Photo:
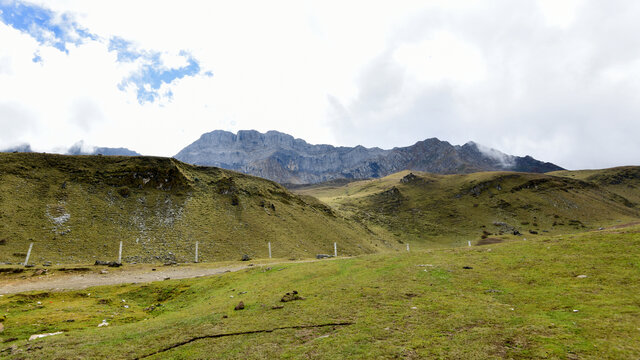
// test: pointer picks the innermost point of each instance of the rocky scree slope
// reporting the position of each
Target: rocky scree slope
(282, 158)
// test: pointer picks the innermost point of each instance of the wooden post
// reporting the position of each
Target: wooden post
(196, 251)
(120, 253)
(269, 249)
(469, 242)
(335, 249)
(26, 261)
(407, 246)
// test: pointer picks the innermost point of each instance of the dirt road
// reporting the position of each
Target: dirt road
(57, 280)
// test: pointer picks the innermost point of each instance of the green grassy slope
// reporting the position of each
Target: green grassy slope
(624, 180)
(78, 208)
(519, 300)
(453, 209)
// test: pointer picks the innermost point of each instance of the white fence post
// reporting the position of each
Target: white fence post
(196, 251)
(120, 253)
(269, 249)
(335, 249)
(469, 242)
(26, 261)
(407, 246)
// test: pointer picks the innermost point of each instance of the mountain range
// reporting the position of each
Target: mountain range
(282, 158)
(77, 149)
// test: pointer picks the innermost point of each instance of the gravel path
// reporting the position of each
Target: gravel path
(59, 281)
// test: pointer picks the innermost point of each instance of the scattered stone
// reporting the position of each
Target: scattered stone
(245, 257)
(152, 307)
(240, 306)
(153, 269)
(70, 320)
(493, 291)
(467, 267)
(170, 262)
(167, 278)
(600, 228)
(104, 272)
(47, 263)
(424, 265)
(225, 316)
(40, 272)
(103, 323)
(409, 178)
(242, 292)
(107, 263)
(276, 307)
(414, 308)
(126, 306)
(38, 336)
(291, 297)
(29, 265)
(581, 276)
(574, 310)
(251, 265)
(323, 256)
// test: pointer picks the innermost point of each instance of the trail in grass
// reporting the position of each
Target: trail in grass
(61, 281)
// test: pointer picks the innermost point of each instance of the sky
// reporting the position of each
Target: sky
(555, 79)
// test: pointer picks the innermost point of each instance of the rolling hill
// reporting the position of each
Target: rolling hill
(76, 209)
(493, 206)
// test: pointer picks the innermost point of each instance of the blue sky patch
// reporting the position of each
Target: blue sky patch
(36, 57)
(152, 75)
(43, 24)
(60, 30)
(125, 49)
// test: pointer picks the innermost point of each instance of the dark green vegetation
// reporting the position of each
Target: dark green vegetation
(560, 297)
(432, 210)
(76, 209)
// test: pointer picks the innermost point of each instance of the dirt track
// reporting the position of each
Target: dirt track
(59, 281)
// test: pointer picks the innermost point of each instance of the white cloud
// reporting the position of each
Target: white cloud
(559, 80)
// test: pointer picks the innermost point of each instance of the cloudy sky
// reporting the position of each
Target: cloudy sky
(555, 79)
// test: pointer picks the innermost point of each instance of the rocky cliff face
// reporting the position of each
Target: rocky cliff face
(282, 158)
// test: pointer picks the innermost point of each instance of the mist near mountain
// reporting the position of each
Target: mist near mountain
(78, 148)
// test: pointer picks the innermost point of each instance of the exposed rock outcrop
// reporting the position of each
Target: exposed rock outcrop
(285, 159)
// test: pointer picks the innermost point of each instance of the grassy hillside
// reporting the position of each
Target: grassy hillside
(78, 208)
(553, 297)
(428, 209)
(624, 181)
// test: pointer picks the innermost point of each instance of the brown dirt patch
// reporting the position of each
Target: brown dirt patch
(489, 241)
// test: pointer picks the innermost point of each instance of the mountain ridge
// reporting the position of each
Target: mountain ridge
(282, 158)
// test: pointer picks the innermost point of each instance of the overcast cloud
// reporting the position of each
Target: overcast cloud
(558, 80)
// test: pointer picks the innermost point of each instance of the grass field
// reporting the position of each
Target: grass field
(517, 299)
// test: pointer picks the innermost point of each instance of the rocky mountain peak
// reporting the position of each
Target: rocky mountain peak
(281, 157)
